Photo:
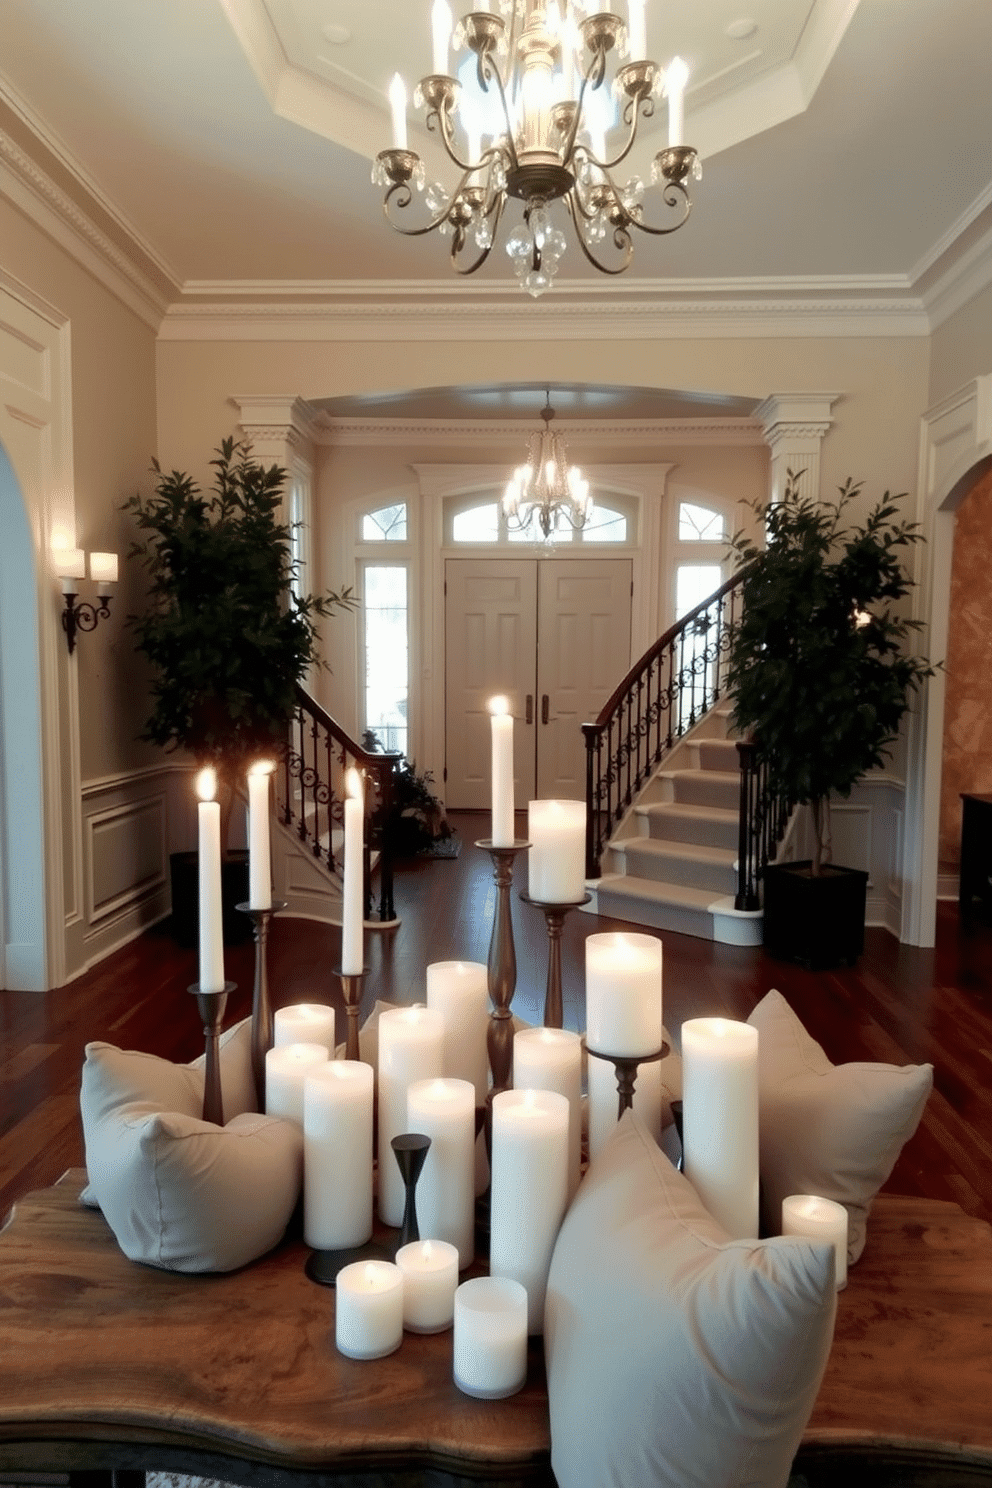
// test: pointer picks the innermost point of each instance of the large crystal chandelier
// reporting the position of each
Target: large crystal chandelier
(546, 491)
(539, 70)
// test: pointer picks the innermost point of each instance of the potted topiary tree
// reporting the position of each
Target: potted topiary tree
(821, 678)
(227, 636)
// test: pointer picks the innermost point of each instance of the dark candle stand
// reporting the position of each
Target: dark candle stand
(211, 1006)
(626, 1067)
(262, 1036)
(502, 966)
(351, 986)
(554, 915)
(411, 1153)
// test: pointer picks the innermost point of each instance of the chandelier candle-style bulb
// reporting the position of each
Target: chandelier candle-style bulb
(397, 106)
(259, 851)
(501, 728)
(208, 866)
(353, 900)
(676, 77)
(636, 31)
(441, 25)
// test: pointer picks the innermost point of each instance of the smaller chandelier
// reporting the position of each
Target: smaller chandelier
(547, 490)
(539, 65)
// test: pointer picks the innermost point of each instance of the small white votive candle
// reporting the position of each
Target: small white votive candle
(490, 1344)
(305, 1023)
(430, 1279)
(818, 1219)
(369, 1310)
(286, 1068)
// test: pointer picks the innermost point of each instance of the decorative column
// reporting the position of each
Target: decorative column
(794, 425)
(281, 430)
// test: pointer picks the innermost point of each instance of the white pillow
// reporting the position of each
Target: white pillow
(179, 1192)
(830, 1129)
(676, 1357)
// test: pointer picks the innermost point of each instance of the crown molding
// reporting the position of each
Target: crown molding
(469, 434)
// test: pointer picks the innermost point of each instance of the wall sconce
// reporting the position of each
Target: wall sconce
(70, 565)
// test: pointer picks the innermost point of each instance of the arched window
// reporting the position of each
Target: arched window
(385, 624)
(701, 552)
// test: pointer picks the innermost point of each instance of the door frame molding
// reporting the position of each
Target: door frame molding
(645, 484)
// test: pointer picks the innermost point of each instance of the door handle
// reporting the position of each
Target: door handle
(544, 707)
(529, 716)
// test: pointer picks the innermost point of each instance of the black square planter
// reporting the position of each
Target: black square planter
(819, 922)
(184, 875)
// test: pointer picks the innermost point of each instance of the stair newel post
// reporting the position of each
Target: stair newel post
(330, 799)
(590, 734)
(747, 886)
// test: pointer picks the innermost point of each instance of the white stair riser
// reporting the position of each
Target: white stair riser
(686, 826)
(669, 867)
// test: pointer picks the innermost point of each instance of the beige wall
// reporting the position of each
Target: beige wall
(961, 348)
(114, 436)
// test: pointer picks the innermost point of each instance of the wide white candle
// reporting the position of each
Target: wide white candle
(720, 1120)
(397, 107)
(636, 31)
(259, 851)
(529, 1190)
(337, 1154)
(286, 1068)
(557, 856)
(818, 1219)
(444, 1110)
(352, 923)
(369, 1309)
(604, 1100)
(430, 1279)
(676, 77)
(490, 1343)
(501, 724)
(211, 913)
(623, 993)
(411, 1048)
(305, 1023)
(551, 1059)
(459, 991)
(440, 34)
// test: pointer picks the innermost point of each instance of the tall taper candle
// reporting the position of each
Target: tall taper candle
(211, 914)
(259, 852)
(352, 919)
(501, 724)
(720, 1120)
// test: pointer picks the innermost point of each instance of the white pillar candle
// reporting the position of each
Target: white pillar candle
(286, 1068)
(459, 991)
(444, 1110)
(440, 34)
(305, 1023)
(211, 913)
(259, 851)
(430, 1279)
(352, 922)
(623, 993)
(490, 1342)
(551, 1059)
(557, 856)
(397, 107)
(501, 723)
(636, 31)
(411, 1048)
(369, 1309)
(818, 1219)
(529, 1190)
(604, 1100)
(720, 1120)
(676, 77)
(337, 1154)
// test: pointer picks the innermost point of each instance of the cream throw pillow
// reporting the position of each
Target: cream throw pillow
(828, 1129)
(677, 1358)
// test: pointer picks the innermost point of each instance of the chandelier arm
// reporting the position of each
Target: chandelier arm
(620, 237)
(404, 196)
(441, 119)
(511, 146)
(632, 125)
(568, 148)
(670, 196)
(459, 243)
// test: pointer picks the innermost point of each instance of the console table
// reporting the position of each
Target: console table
(110, 1366)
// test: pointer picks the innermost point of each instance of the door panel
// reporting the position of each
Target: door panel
(490, 624)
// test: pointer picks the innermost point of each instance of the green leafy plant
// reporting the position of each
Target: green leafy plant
(227, 637)
(818, 665)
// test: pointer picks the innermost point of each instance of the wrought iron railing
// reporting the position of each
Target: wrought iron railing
(764, 816)
(310, 793)
(674, 684)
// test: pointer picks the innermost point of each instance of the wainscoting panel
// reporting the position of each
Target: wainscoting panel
(126, 844)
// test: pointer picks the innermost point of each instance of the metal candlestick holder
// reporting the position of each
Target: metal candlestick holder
(554, 915)
(626, 1066)
(262, 1035)
(211, 1007)
(411, 1152)
(351, 986)
(502, 966)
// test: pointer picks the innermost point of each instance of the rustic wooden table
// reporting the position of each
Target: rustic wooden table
(107, 1365)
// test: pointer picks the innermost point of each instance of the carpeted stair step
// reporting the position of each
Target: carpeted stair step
(717, 788)
(711, 868)
(719, 754)
(662, 906)
(708, 826)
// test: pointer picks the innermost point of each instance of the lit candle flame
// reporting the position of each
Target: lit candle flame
(206, 784)
(261, 767)
(499, 705)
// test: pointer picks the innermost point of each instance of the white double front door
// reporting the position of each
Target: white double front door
(552, 635)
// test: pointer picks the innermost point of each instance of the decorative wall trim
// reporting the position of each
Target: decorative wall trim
(470, 433)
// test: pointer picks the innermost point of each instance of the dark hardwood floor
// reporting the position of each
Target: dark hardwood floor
(898, 1004)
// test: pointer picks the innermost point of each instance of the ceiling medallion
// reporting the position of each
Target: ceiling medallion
(528, 121)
